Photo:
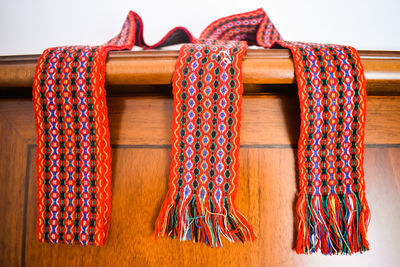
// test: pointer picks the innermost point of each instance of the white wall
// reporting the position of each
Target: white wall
(28, 27)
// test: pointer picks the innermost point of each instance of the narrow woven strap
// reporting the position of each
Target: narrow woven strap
(332, 212)
(73, 142)
(207, 89)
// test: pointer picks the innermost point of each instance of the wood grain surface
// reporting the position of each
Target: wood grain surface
(260, 66)
(140, 135)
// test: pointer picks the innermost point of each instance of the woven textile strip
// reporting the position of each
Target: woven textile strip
(73, 141)
(207, 88)
(332, 212)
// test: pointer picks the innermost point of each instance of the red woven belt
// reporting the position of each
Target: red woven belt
(73, 147)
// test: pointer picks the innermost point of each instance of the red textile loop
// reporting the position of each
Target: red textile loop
(73, 146)
(73, 156)
(332, 211)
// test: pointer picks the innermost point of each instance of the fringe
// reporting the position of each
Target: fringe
(335, 224)
(190, 220)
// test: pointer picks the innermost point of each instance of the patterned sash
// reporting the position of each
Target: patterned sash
(207, 88)
(73, 156)
(332, 212)
(73, 150)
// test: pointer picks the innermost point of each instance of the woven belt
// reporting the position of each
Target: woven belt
(73, 147)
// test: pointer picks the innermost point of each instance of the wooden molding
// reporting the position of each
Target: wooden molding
(260, 67)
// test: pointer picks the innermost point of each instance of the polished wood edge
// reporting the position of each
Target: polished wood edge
(154, 67)
(263, 53)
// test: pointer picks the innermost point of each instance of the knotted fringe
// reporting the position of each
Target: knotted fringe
(334, 224)
(191, 220)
